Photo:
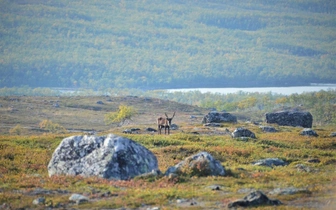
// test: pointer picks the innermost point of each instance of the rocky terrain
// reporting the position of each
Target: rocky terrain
(203, 164)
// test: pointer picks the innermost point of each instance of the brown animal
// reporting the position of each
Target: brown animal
(164, 123)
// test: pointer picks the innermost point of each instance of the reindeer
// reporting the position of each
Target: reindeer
(164, 123)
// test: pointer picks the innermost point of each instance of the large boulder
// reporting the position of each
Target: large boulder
(219, 117)
(110, 157)
(291, 118)
(201, 164)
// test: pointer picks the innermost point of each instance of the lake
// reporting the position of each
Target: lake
(274, 90)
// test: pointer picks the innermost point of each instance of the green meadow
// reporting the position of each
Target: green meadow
(25, 154)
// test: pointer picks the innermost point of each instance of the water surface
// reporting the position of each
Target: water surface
(274, 90)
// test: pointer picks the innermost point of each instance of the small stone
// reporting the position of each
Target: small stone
(78, 199)
(255, 198)
(308, 132)
(302, 168)
(270, 162)
(268, 129)
(179, 201)
(242, 132)
(314, 160)
(333, 134)
(39, 201)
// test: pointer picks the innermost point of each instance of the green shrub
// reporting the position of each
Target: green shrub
(17, 130)
(49, 126)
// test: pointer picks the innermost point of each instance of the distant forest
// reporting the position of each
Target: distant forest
(151, 44)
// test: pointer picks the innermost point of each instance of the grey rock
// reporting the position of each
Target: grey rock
(41, 191)
(302, 168)
(152, 174)
(256, 198)
(132, 130)
(151, 130)
(212, 124)
(179, 201)
(290, 118)
(100, 102)
(78, 199)
(56, 105)
(270, 162)
(154, 208)
(39, 201)
(333, 134)
(243, 139)
(219, 117)
(174, 127)
(216, 187)
(308, 132)
(268, 129)
(242, 132)
(6, 206)
(212, 167)
(288, 191)
(127, 131)
(246, 190)
(135, 129)
(314, 160)
(110, 157)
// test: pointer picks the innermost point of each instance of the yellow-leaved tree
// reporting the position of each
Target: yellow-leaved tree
(122, 116)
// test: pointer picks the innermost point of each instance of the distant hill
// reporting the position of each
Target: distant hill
(166, 43)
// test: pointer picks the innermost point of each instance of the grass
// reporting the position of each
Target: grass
(24, 160)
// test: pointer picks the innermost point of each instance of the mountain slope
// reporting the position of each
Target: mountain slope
(159, 44)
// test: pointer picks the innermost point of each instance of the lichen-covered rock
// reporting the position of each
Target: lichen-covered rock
(201, 164)
(290, 118)
(219, 117)
(242, 132)
(110, 157)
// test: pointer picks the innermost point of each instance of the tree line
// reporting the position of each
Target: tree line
(253, 106)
